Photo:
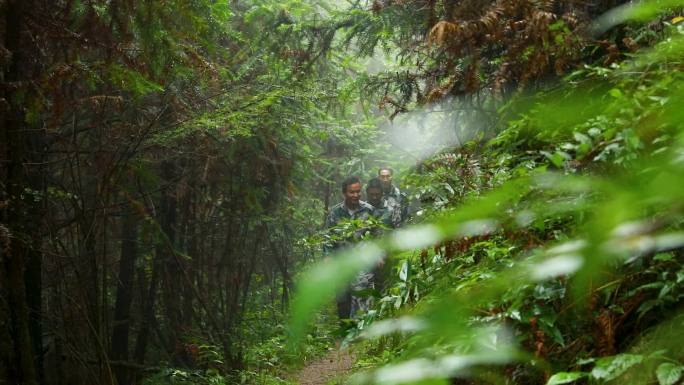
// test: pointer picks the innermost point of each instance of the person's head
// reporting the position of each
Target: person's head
(385, 176)
(351, 189)
(374, 191)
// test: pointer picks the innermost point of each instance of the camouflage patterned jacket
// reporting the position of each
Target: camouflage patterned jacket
(393, 192)
(340, 212)
(394, 197)
(389, 213)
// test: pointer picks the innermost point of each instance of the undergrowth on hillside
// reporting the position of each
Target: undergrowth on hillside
(545, 251)
(548, 254)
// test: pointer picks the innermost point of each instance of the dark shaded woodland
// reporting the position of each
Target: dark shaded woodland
(131, 218)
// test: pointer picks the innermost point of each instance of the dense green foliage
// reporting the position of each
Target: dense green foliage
(549, 254)
(160, 162)
(165, 168)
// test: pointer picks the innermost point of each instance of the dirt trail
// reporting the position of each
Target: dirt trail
(319, 372)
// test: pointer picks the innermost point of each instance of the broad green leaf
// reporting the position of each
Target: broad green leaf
(320, 284)
(609, 368)
(556, 266)
(616, 93)
(669, 373)
(566, 377)
(422, 369)
(402, 324)
(416, 237)
(404, 271)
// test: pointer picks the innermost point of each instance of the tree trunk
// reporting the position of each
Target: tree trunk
(124, 295)
(167, 253)
(147, 306)
(22, 155)
(432, 15)
(449, 8)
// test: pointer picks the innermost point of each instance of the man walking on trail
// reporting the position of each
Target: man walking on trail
(391, 192)
(387, 211)
(351, 208)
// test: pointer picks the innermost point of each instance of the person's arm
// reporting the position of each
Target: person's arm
(385, 215)
(329, 222)
(328, 247)
(404, 203)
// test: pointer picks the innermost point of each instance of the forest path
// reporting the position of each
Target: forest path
(334, 364)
